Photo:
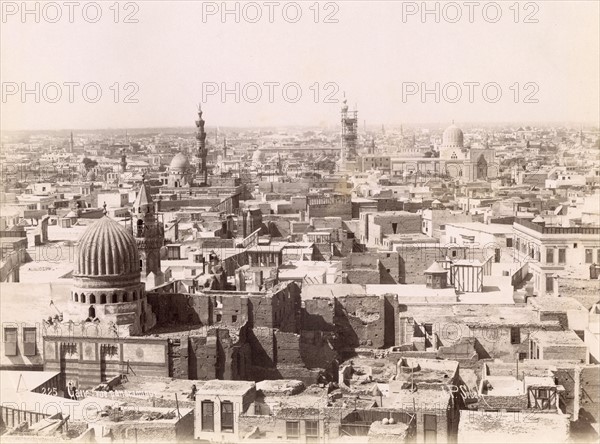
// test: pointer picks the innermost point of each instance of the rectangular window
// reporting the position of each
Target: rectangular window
(509, 242)
(208, 416)
(589, 255)
(430, 428)
(10, 342)
(29, 341)
(562, 255)
(549, 283)
(292, 429)
(227, 416)
(312, 431)
(173, 252)
(549, 255)
(515, 335)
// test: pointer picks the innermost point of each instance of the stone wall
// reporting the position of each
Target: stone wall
(360, 321)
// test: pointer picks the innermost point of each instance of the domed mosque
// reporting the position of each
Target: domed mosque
(180, 172)
(467, 164)
(106, 279)
(452, 147)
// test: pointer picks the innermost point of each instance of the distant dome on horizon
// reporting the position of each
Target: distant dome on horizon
(453, 137)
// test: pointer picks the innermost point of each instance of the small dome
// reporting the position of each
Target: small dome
(91, 175)
(453, 137)
(107, 249)
(179, 162)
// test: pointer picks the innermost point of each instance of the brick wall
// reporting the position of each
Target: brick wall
(360, 321)
(589, 394)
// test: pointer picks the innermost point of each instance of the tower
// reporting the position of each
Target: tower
(349, 121)
(148, 233)
(71, 144)
(201, 142)
(123, 160)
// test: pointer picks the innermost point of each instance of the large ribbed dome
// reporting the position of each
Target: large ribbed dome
(107, 249)
(179, 162)
(453, 137)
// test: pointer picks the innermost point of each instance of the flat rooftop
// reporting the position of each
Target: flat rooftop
(484, 228)
(551, 303)
(475, 315)
(502, 427)
(217, 387)
(558, 338)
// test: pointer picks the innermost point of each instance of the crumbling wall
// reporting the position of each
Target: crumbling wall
(318, 314)
(589, 394)
(202, 357)
(178, 358)
(287, 348)
(360, 321)
(262, 341)
(317, 349)
(235, 308)
(174, 308)
(287, 308)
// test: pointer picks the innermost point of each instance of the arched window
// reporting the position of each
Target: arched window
(103, 298)
(114, 298)
(134, 296)
(76, 297)
(92, 299)
(83, 297)
(92, 312)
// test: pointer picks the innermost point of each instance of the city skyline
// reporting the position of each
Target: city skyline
(554, 65)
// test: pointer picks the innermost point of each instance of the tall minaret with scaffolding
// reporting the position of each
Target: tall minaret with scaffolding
(123, 160)
(201, 143)
(349, 135)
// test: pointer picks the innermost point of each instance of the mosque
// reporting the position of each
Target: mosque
(466, 164)
(463, 163)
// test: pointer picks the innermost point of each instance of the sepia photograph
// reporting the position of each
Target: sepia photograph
(335, 222)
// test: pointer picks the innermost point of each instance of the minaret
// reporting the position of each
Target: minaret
(123, 160)
(71, 144)
(224, 147)
(147, 231)
(201, 140)
(349, 134)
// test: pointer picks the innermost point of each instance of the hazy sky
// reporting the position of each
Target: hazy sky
(373, 53)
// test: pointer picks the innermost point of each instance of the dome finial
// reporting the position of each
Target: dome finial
(143, 177)
(104, 210)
